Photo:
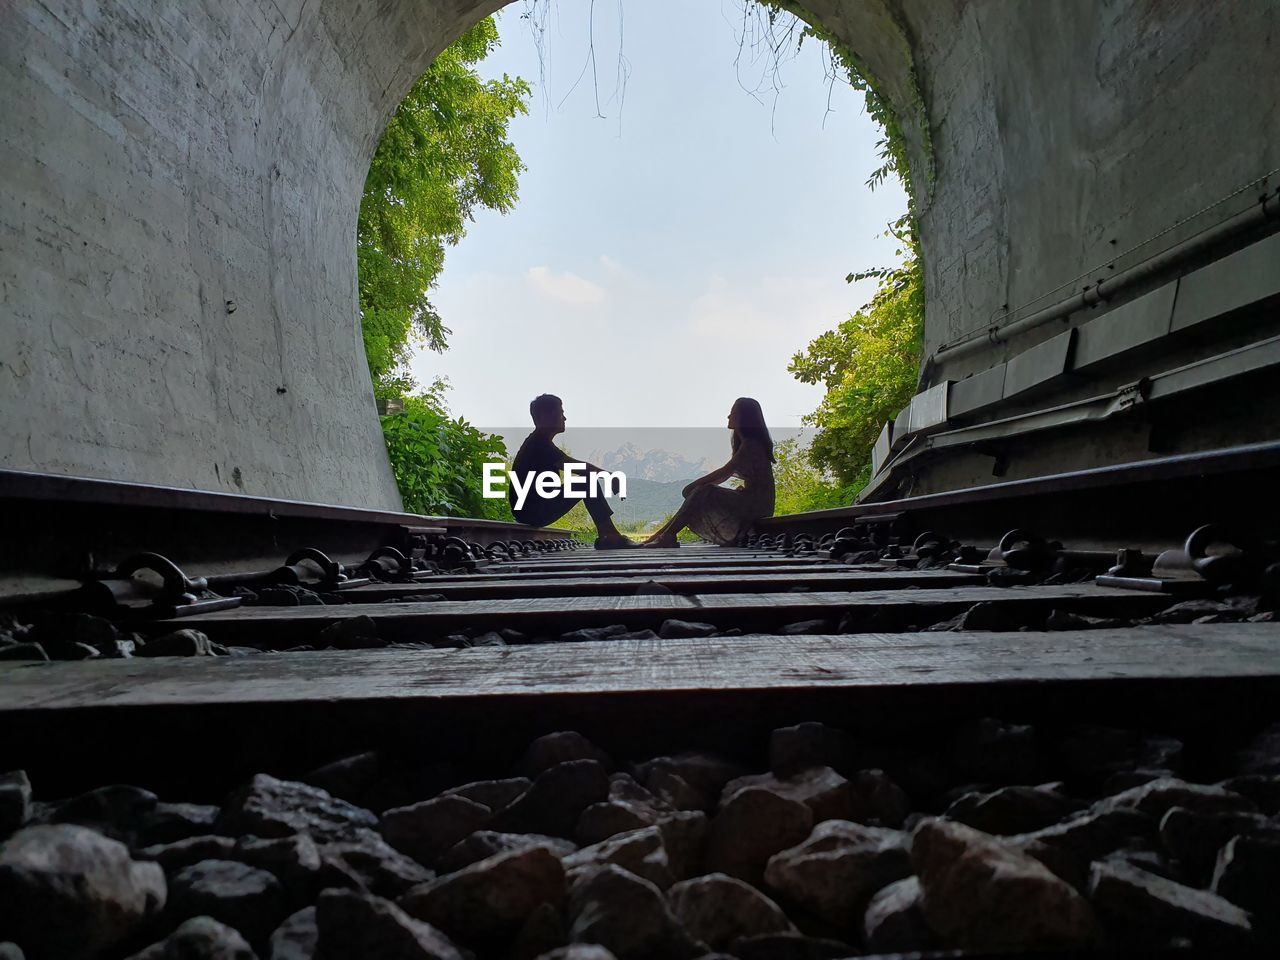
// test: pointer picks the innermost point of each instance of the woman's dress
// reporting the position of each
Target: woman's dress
(721, 514)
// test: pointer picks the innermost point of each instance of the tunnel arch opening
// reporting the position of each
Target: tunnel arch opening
(846, 224)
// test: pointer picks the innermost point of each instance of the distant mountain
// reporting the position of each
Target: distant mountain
(659, 466)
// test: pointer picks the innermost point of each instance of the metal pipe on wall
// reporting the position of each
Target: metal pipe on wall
(1165, 261)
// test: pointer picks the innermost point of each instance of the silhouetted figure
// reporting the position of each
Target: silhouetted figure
(720, 514)
(538, 454)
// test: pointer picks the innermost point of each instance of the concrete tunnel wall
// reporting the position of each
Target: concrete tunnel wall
(181, 182)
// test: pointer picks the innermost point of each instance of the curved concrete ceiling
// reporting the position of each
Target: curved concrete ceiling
(182, 180)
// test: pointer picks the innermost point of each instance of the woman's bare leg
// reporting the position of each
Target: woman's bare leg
(665, 536)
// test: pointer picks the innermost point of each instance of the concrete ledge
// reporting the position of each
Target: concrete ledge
(1240, 280)
(1042, 363)
(1135, 324)
(979, 391)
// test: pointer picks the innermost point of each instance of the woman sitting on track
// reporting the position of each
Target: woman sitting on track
(720, 514)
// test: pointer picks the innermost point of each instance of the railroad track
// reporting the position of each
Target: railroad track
(1016, 658)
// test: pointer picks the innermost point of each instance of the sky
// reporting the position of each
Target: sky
(671, 250)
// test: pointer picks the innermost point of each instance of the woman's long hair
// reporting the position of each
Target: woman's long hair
(752, 425)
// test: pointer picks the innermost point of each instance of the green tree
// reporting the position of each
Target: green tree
(444, 153)
(438, 460)
(800, 486)
(869, 366)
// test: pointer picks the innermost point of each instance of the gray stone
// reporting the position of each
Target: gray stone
(1129, 779)
(980, 894)
(350, 633)
(807, 627)
(289, 595)
(494, 794)
(704, 773)
(296, 938)
(984, 615)
(294, 860)
(15, 801)
(879, 800)
(1158, 796)
(183, 853)
(426, 830)
(487, 843)
(837, 869)
(200, 938)
(117, 810)
(1011, 810)
(1262, 788)
(645, 634)
(826, 793)
(681, 629)
(98, 894)
(640, 851)
(1189, 611)
(244, 897)
(1146, 910)
(684, 835)
(593, 634)
(180, 643)
(1069, 847)
(627, 915)
(488, 902)
(717, 909)
(267, 807)
(623, 786)
(1194, 839)
(749, 829)
(171, 822)
(1152, 861)
(11, 951)
(60, 633)
(805, 745)
(24, 651)
(351, 925)
(603, 820)
(556, 799)
(556, 748)
(372, 864)
(1095, 832)
(894, 921)
(1247, 873)
(543, 930)
(673, 790)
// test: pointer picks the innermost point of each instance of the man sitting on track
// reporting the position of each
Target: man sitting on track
(538, 454)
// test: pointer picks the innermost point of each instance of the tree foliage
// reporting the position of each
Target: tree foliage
(800, 486)
(444, 153)
(438, 459)
(868, 365)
